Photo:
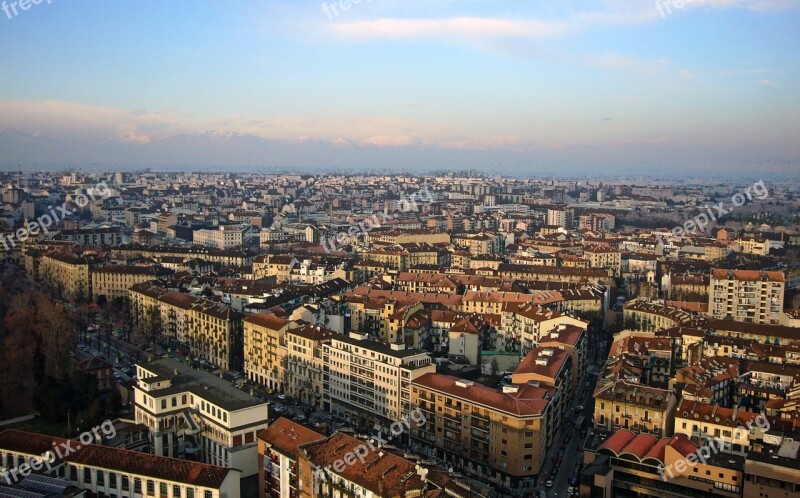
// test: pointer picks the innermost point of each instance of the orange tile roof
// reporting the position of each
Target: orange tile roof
(288, 436)
(771, 276)
(267, 320)
(529, 400)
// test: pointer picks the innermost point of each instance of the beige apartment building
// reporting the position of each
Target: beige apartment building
(305, 364)
(371, 381)
(641, 409)
(224, 237)
(703, 422)
(746, 296)
(523, 325)
(604, 257)
(265, 349)
(498, 436)
(207, 330)
(274, 266)
(753, 245)
(115, 281)
(67, 275)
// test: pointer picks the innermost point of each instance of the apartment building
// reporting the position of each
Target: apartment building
(604, 257)
(380, 474)
(205, 329)
(479, 244)
(265, 349)
(573, 340)
(106, 236)
(746, 296)
(753, 245)
(304, 370)
(224, 237)
(278, 457)
(371, 381)
(115, 281)
(523, 325)
(106, 471)
(558, 217)
(597, 222)
(705, 423)
(498, 436)
(628, 405)
(404, 256)
(67, 275)
(196, 415)
(647, 316)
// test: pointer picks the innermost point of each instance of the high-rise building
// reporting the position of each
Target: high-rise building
(746, 295)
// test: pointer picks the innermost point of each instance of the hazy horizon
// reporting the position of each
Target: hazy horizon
(618, 87)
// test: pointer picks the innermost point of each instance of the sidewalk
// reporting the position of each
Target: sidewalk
(17, 420)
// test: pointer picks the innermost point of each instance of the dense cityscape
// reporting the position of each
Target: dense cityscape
(215, 335)
(400, 249)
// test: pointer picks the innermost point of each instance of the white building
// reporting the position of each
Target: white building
(370, 379)
(746, 296)
(225, 237)
(196, 415)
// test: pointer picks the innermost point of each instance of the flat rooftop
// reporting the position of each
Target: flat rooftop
(200, 383)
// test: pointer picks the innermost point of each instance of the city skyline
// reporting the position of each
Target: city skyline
(622, 88)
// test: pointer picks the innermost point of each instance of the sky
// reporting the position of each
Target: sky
(616, 87)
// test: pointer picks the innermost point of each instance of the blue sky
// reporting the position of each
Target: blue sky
(576, 87)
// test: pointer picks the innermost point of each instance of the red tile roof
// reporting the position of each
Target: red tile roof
(618, 441)
(528, 400)
(287, 436)
(381, 472)
(27, 442)
(750, 275)
(266, 320)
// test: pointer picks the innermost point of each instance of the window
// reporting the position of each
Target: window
(101, 478)
(207, 494)
(112, 480)
(137, 485)
(151, 487)
(189, 493)
(176, 491)
(87, 475)
(125, 483)
(163, 404)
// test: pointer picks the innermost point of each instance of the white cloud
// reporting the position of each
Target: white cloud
(454, 29)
